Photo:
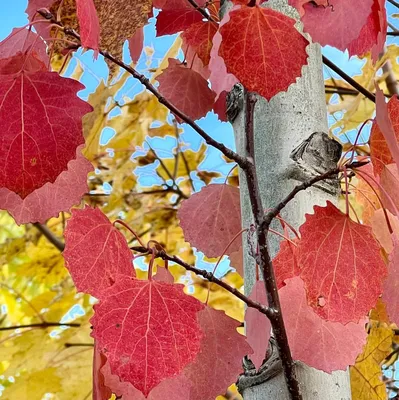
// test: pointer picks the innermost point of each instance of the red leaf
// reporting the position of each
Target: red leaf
(100, 390)
(89, 24)
(211, 218)
(193, 61)
(220, 359)
(219, 78)
(41, 125)
(373, 34)
(321, 344)
(95, 251)
(257, 325)
(219, 108)
(173, 21)
(136, 44)
(200, 36)
(385, 133)
(285, 263)
(337, 24)
(186, 89)
(148, 330)
(262, 48)
(341, 265)
(176, 15)
(52, 198)
(28, 63)
(25, 41)
(391, 284)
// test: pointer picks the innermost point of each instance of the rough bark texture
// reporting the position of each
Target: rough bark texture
(280, 126)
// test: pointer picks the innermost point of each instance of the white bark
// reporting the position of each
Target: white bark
(281, 125)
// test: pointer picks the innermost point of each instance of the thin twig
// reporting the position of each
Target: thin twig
(67, 345)
(241, 161)
(264, 259)
(210, 277)
(202, 11)
(44, 229)
(41, 325)
(272, 213)
(393, 2)
(350, 80)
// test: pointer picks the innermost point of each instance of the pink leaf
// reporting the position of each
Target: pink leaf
(148, 330)
(340, 264)
(384, 147)
(211, 218)
(89, 24)
(52, 198)
(41, 125)
(136, 44)
(186, 89)
(257, 325)
(338, 23)
(389, 181)
(220, 359)
(100, 390)
(95, 251)
(391, 284)
(23, 40)
(176, 388)
(324, 345)
(373, 34)
(220, 79)
(380, 228)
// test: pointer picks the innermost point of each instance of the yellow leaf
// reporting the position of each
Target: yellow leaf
(366, 374)
(33, 386)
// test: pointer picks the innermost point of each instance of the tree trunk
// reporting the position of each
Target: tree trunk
(280, 126)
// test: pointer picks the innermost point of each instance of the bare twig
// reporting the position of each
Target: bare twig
(350, 80)
(211, 278)
(241, 161)
(41, 325)
(44, 229)
(393, 2)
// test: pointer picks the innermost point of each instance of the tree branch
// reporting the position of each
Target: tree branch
(264, 259)
(271, 214)
(41, 325)
(393, 2)
(44, 229)
(350, 80)
(241, 161)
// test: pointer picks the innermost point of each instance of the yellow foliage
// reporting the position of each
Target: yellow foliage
(366, 374)
(34, 385)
